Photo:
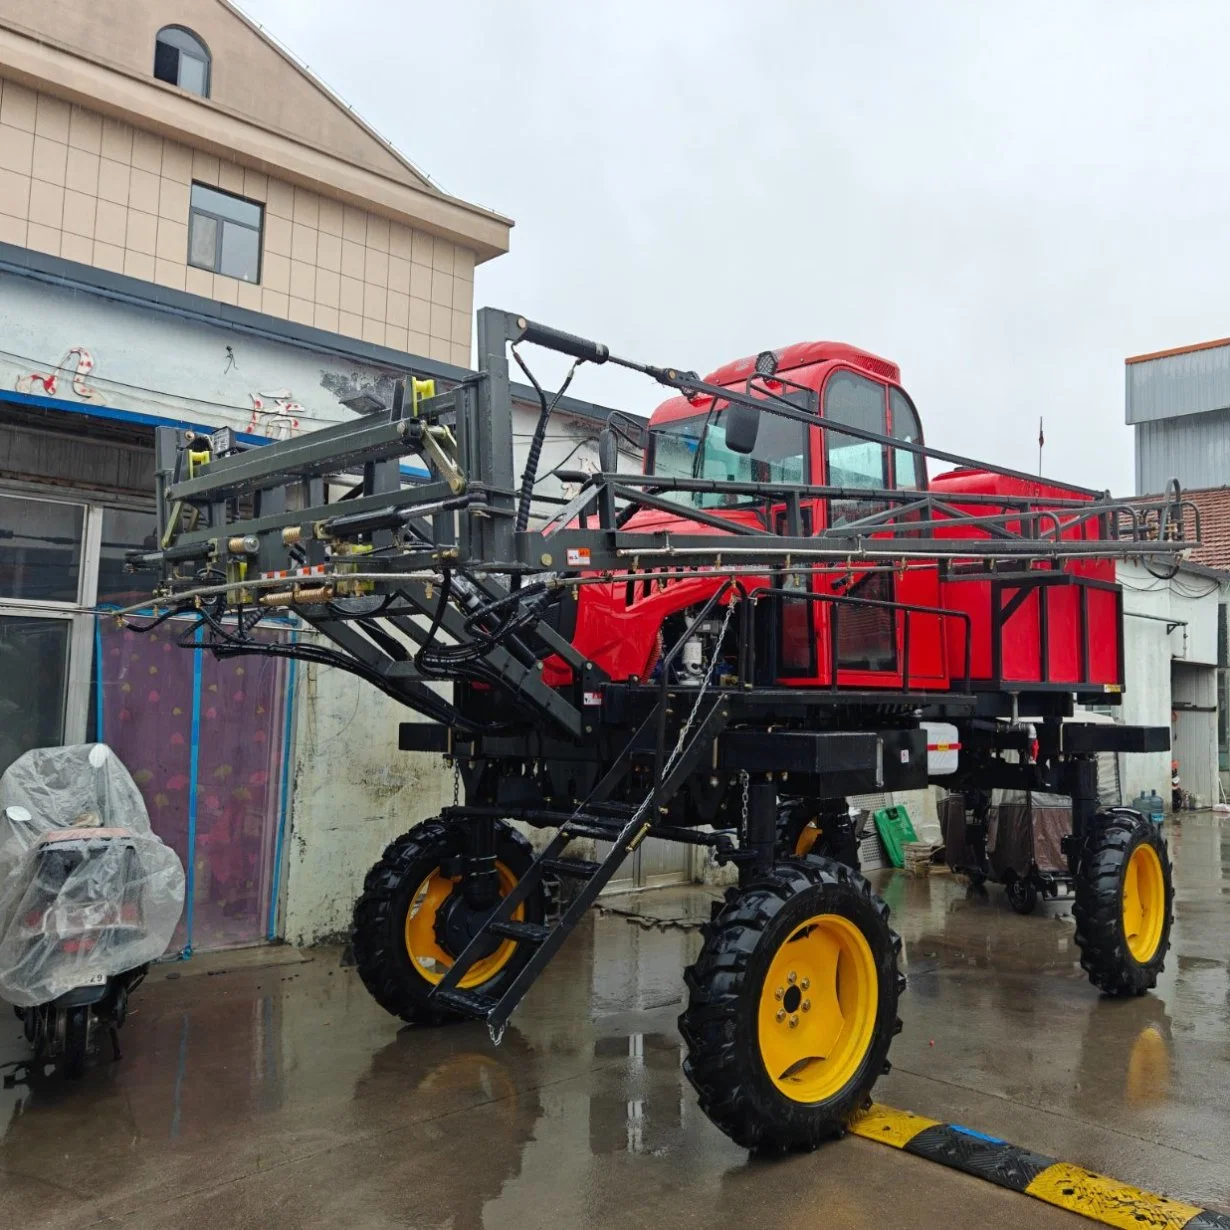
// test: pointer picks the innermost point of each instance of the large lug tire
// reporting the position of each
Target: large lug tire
(411, 921)
(816, 827)
(1124, 904)
(777, 1064)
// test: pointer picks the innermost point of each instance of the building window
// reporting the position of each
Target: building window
(45, 640)
(40, 549)
(180, 58)
(224, 234)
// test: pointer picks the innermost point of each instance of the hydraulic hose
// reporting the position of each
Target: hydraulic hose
(536, 443)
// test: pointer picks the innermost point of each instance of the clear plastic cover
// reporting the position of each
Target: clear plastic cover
(87, 890)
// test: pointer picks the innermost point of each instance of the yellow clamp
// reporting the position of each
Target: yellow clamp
(420, 391)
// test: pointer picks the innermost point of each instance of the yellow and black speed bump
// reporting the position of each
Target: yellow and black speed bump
(1067, 1187)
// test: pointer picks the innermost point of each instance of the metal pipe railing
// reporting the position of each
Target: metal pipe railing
(906, 608)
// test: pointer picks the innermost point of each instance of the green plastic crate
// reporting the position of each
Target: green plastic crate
(893, 825)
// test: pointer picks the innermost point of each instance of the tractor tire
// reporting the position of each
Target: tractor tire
(412, 921)
(1124, 904)
(1022, 894)
(801, 831)
(800, 961)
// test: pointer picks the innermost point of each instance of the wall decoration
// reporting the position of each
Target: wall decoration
(47, 384)
(274, 415)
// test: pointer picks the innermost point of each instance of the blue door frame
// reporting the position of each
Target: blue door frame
(279, 845)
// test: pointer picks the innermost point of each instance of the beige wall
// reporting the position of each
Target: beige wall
(95, 190)
(248, 75)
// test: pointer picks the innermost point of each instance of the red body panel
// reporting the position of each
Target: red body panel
(1065, 631)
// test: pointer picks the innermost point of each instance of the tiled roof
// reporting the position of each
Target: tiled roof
(1214, 506)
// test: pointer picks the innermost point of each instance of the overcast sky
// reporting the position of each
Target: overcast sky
(1005, 199)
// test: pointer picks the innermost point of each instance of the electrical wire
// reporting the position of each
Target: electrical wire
(540, 434)
(542, 478)
(123, 386)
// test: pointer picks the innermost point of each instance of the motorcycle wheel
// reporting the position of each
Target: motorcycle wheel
(76, 1042)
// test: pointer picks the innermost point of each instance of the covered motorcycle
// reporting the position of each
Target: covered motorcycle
(89, 895)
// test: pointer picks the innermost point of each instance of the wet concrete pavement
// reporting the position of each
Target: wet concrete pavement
(281, 1096)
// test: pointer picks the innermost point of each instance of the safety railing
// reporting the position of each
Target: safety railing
(907, 610)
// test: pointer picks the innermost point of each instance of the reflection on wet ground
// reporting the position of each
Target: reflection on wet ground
(281, 1096)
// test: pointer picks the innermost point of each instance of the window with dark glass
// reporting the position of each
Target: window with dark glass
(224, 233)
(33, 677)
(867, 634)
(40, 549)
(123, 530)
(180, 58)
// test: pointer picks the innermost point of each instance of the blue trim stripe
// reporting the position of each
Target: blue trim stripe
(141, 419)
(99, 733)
(271, 930)
(115, 415)
(991, 1140)
(198, 658)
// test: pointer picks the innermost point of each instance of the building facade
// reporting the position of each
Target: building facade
(1177, 403)
(106, 165)
(195, 232)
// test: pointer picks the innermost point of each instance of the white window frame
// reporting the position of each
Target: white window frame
(77, 698)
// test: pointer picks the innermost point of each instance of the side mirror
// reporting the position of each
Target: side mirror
(608, 451)
(742, 425)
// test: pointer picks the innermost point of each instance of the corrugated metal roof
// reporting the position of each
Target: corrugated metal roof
(1194, 449)
(1171, 385)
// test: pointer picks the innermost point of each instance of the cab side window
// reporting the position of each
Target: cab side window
(856, 402)
(909, 469)
(853, 463)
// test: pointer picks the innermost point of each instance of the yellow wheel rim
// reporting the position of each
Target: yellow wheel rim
(808, 837)
(1144, 903)
(817, 1010)
(429, 959)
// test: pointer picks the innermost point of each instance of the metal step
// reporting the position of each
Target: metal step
(602, 832)
(532, 933)
(546, 941)
(468, 1003)
(577, 868)
(618, 810)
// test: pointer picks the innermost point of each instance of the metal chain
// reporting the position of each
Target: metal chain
(744, 779)
(630, 826)
(704, 687)
(456, 783)
(496, 1033)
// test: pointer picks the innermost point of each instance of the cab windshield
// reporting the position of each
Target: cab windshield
(696, 448)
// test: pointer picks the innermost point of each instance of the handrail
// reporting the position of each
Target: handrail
(907, 609)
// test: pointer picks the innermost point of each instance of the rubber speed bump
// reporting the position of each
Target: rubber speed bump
(1034, 1174)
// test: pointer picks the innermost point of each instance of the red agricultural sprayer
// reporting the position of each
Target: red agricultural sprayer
(782, 610)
